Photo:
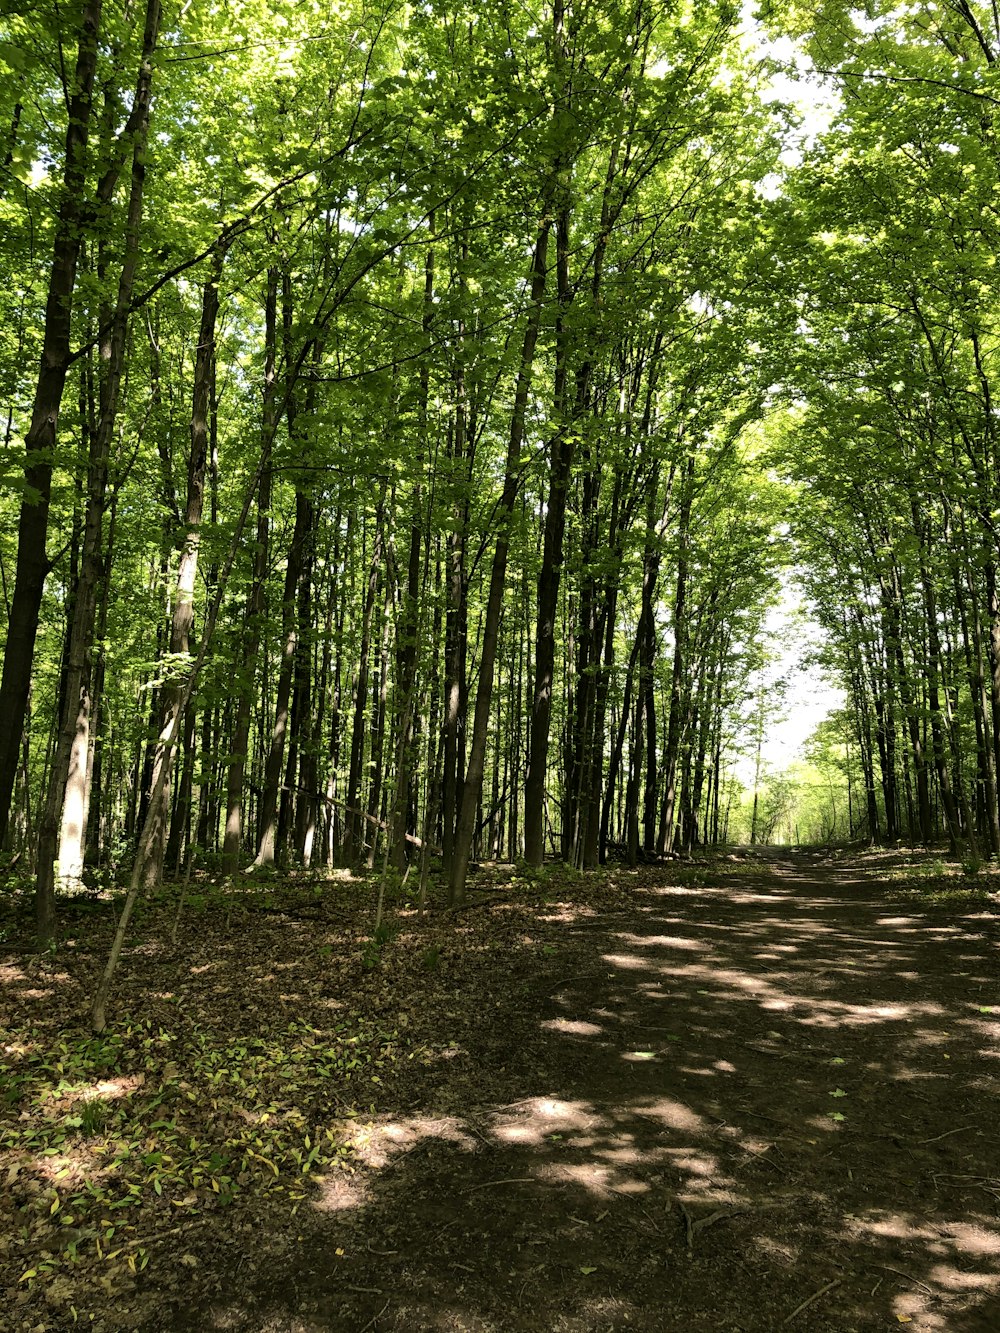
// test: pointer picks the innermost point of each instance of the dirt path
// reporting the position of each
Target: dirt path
(765, 1100)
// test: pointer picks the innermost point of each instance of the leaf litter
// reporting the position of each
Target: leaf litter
(283, 1055)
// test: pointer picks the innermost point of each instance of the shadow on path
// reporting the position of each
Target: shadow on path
(764, 1100)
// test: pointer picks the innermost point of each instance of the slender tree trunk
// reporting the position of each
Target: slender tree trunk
(550, 569)
(472, 791)
(236, 773)
(456, 616)
(67, 792)
(934, 684)
(986, 788)
(40, 441)
(380, 695)
(993, 658)
(182, 618)
(268, 820)
(353, 835)
(407, 637)
(678, 684)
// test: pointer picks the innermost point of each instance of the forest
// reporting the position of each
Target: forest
(413, 415)
(409, 417)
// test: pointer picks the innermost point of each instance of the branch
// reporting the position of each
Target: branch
(903, 78)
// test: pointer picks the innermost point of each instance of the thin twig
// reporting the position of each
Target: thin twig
(697, 1224)
(963, 1129)
(960, 1175)
(811, 1300)
(909, 1277)
(759, 1115)
(374, 1319)
(688, 1223)
(720, 1215)
(511, 1180)
(148, 1240)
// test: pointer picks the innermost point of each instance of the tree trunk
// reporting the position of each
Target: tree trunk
(182, 618)
(40, 441)
(268, 820)
(472, 790)
(236, 774)
(678, 683)
(352, 821)
(550, 569)
(67, 793)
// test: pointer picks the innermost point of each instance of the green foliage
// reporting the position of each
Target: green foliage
(375, 947)
(188, 1117)
(91, 1118)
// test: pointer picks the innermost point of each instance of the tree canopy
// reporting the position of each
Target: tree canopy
(411, 414)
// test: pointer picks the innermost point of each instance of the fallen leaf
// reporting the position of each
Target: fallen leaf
(587, 1271)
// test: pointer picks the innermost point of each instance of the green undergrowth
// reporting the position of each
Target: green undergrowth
(934, 881)
(949, 892)
(104, 1140)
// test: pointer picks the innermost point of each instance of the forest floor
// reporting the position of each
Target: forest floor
(744, 1095)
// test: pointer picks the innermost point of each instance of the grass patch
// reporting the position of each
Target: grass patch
(949, 893)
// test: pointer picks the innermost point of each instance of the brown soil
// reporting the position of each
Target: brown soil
(748, 1097)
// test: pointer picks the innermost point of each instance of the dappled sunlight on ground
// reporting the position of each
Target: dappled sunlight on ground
(724, 1092)
(375, 1143)
(731, 1106)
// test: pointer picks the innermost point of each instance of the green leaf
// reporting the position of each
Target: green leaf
(587, 1271)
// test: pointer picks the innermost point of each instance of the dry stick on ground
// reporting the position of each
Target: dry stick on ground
(696, 1224)
(180, 900)
(962, 1175)
(963, 1129)
(688, 1222)
(899, 1273)
(582, 976)
(511, 1180)
(811, 1300)
(374, 1319)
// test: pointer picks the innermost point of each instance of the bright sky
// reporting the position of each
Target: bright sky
(792, 637)
(815, 101)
